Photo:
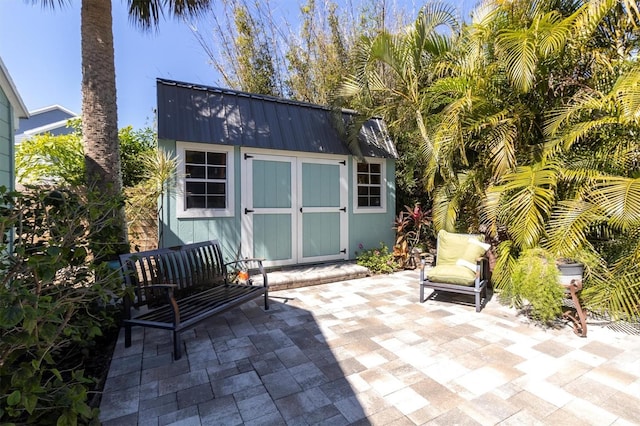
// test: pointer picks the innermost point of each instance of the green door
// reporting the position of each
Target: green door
(322, 195)
(293, 209)
(268, 208)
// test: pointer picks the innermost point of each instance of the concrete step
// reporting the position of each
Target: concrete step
(314, 274)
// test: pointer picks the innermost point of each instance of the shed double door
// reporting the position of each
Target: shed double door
(294, 210)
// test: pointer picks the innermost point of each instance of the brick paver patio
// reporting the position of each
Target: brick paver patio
(365, 351)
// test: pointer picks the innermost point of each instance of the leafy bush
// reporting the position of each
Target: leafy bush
(60, 158)
(413, 228)
(535, 278)
(53, 304)
(379, 261)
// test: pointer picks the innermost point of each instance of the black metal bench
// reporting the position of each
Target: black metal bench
(176, 288)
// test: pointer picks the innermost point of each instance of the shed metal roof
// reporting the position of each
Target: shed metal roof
(193, 113)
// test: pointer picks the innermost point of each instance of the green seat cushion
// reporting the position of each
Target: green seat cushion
(451, 274)
(452, 247)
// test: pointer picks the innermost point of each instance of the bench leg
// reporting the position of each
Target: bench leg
(478, 301)
(266, 300)
(421, 293)
(127, 336)
(177, 347)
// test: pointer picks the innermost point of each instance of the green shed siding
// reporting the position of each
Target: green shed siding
(371, 229)
(176, 231)
(6, 143)
(368, 229)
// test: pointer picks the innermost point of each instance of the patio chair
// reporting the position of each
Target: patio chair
(461, 266)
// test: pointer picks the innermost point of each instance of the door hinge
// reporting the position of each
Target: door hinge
(343, 162)
(246, 156)
(343, 251)
(344, 209)
(246, 210)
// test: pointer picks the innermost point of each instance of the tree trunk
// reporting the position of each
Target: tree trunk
(99, 109)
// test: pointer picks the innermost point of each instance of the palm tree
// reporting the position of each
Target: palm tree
(392, 73)
(99, 110)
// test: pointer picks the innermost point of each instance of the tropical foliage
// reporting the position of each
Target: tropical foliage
(54, 301)
(60, 158)
(522, 122)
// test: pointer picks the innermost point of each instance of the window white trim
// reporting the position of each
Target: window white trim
(181, 210)
(383, 187)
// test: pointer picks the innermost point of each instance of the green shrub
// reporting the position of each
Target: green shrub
(379, 261)
(535, 278)
(53, 305)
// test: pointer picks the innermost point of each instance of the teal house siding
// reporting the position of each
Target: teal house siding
(6, 142)
(11, 109)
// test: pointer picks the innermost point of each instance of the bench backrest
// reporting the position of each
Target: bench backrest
(189, 267)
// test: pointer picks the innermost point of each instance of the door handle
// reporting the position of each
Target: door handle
(246, 210)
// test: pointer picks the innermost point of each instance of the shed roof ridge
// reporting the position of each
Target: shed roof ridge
(259, 96)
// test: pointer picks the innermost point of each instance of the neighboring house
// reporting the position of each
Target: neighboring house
(272, 178)
(52, 119)
(11, 110)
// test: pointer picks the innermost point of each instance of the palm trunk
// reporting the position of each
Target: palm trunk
(99, 110)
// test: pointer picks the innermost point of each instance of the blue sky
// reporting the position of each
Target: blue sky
(41, 49)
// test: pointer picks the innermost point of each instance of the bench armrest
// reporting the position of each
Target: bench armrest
(258, 261)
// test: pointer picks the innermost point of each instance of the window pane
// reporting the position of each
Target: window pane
(194, 157)
(363, 179)
(215, 202)
(375, 179)
(217, 158)
(195, 202)
(217, 172)
(214, 188)
(363, 190)
(363, 202)
(195, 188)
(375, 202)
(374, 168)
(363, 167)
(194, 172)
(374, 190)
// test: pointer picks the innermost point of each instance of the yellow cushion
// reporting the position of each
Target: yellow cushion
(451, 274)
(452, 247)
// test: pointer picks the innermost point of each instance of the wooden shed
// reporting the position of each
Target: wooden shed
(273, 178)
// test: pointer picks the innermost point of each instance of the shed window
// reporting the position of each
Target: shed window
(206, 182)
(370, 192)
(205, 179)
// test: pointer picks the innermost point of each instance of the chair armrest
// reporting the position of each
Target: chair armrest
(482, 269)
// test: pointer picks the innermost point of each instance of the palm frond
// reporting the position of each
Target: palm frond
(619, 199)
(529, 196)
(615, 295)
(519, 50)
(568, 226)
(146, 14)
(444, 209)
